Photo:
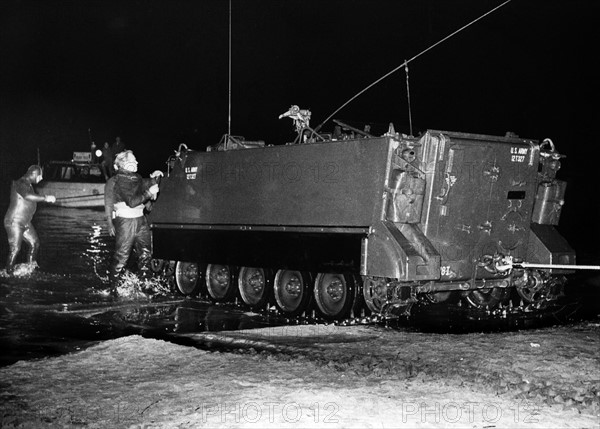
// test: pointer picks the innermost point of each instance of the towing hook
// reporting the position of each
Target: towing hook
(504, 264)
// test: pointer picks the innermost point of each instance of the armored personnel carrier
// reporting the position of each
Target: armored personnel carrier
(337, 221)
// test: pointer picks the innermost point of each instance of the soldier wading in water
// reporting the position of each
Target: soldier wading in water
(17, 221)
(125, 197)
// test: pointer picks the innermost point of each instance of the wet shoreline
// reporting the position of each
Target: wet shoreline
(61, 307)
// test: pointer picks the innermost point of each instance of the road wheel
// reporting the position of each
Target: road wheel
(291, 291)
(220, 282)
(334, 295)
(187, 278)
(255, 286)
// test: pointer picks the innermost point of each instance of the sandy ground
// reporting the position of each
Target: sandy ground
(316, 376)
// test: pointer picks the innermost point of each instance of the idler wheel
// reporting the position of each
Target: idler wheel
(255, 286)
(220, 283)
(187, 278)
(290, 289)
(334, 295)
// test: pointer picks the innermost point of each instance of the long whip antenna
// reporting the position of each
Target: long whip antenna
(408, 98)
(405, 63)
(229, 100)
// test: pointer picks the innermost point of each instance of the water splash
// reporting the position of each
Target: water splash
(24, 270)
(132, 286)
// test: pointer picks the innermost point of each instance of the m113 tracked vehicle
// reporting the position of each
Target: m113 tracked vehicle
(338, 221)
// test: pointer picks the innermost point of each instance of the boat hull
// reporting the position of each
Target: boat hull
(74, 194)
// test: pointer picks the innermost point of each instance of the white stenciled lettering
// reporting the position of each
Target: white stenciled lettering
(518, 154)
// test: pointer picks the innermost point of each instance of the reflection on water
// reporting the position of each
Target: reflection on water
(74, 246)
(73, 241)
(61, 307)
(194, 318)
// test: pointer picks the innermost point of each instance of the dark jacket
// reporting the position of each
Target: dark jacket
(131, 189)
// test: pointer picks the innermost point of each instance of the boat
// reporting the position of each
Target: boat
(78, 183)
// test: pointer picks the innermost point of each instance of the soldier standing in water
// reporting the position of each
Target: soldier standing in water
(125, 196)
(17, 221)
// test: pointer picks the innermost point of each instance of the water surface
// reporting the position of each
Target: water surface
(63, 306)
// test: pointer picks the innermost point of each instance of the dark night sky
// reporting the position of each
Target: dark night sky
(155, 72)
